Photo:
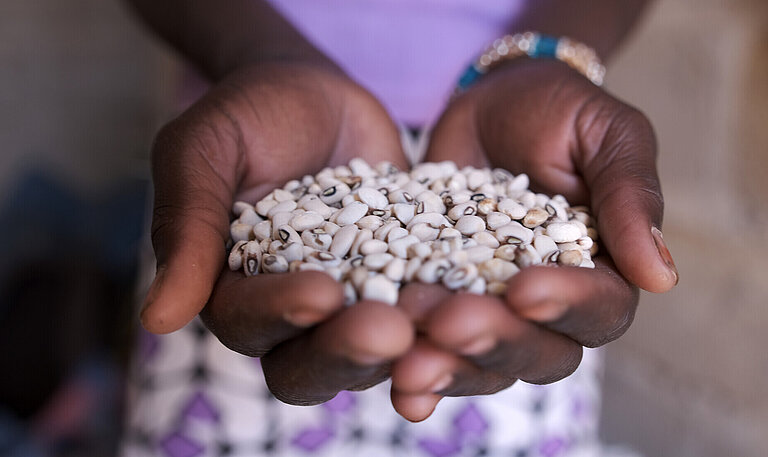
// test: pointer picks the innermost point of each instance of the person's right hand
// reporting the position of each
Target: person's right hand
(255, 130)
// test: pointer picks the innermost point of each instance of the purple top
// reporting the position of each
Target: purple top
(408, 53)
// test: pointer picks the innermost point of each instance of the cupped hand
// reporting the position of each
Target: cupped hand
(571, 138)
(255, 130)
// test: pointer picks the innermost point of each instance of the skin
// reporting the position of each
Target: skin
(279, 109)
(571, 138)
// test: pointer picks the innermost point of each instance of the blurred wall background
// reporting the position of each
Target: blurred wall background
(689, 378)
(83, 88)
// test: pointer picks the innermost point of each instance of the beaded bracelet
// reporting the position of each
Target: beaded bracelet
(577, 55)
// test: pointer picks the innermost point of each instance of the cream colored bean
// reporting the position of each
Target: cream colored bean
(252, 258)
(262, 230)
(286, 206)
(486, 206)
(235, 259)
(395, 269)
(469, 225)
(514, 233)
(362, 236)
(511, 208)
(399, 248)
(527, 256)
(556, 210)
(342, 241)
(334, 193)
(317, 206)
(240, 232)
(263, 206)
(506, 252)
(433, 270)
(570, 258)
(280, 195)
(249, 216)
(330, 228)
(307, 220)
(373, 247)
(380, 288)
(400, 196)
(563, 232)
(348, 199)
(424, 232)
(449, 232)
(325, 259)
(459, 277)
(411, 268)
(495, 220)
(274, 264)
(477, 286)
(376, 262)
(585, 242)
(432, 202)
(420, 250)
(486, 239)
(479, 254)
(287, 234)
(497, 270)
(317, 239)
(396, 233)
(404, 212)
(544, 244)
(290, 251)
(535, 217)
(370, 222)
(350, 294)
(239, 206)
(351, 213)
(372, 198)
(462, 209)
(434, 220)
(280, 220)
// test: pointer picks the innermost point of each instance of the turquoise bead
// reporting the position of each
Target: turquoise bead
(471, 74)
(545, 47)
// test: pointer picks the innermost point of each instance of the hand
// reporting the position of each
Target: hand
(571, 138)
(257, 129)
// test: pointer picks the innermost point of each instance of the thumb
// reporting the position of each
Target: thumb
(193, 181)
(619, 153)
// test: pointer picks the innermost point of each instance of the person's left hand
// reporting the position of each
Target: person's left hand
(571, 138)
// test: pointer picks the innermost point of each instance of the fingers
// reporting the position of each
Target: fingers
(619, 168)
(427, 373)
(591, 306)
(352, 350)
(482, 329)
(192, 178)
(455, 137)
(475, 347)
(251, 315)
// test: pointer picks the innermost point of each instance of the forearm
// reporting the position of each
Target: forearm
(221, 36)
(601, 24)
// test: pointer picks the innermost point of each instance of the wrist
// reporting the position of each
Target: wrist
(534, 45)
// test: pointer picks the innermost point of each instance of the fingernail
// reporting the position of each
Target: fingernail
(154, 290)
(479, 346)
(545, 311)
(442, 383)
(303, 317)
(661, 246)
